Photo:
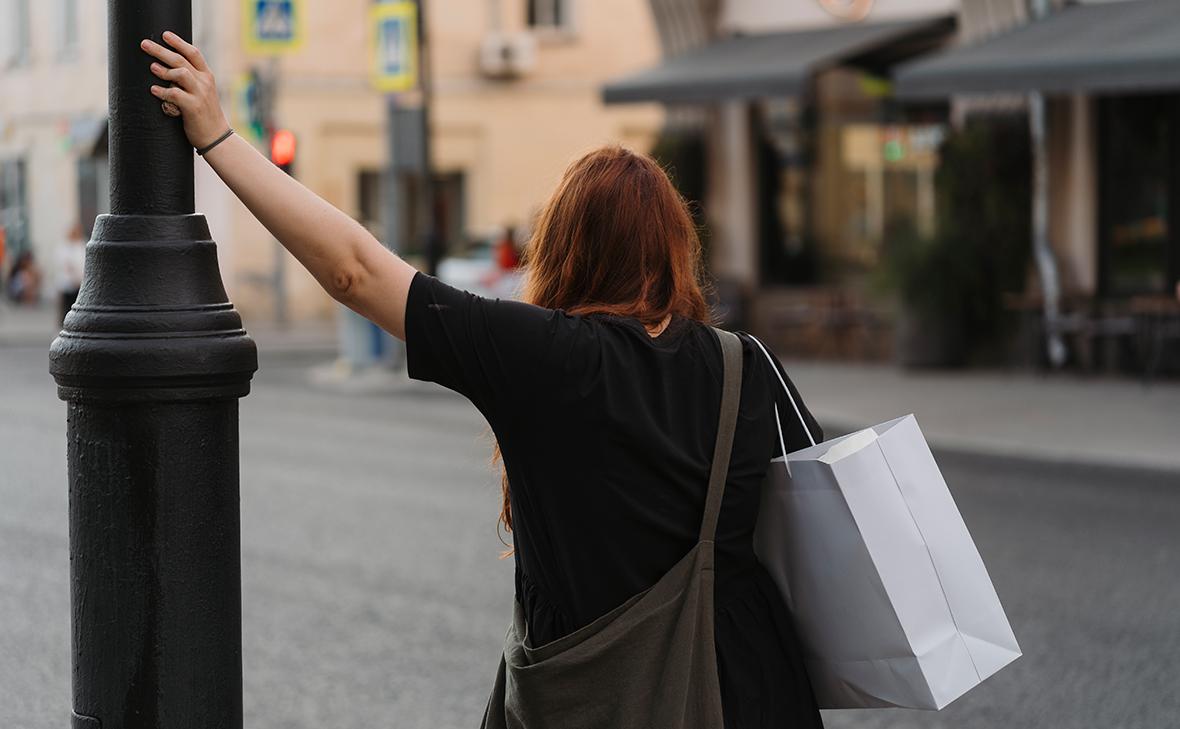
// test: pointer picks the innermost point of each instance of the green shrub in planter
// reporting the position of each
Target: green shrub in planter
(929, 278)
(951, 284)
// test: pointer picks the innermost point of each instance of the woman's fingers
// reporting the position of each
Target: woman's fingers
(193, 90)
(175, 94)
(183, 76)
(186, 49)
(159, 52)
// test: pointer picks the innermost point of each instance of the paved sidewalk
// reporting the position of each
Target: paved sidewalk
(37, 327)
(1056, 418)
(1059, 417)
(23, 326)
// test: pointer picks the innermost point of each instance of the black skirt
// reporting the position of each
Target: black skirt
(763, 680)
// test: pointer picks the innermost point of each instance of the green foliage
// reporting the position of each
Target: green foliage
(925, 271)
(682, 155)
(982, 244)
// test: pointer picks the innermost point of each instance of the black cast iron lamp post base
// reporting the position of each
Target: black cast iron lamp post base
(151, 362)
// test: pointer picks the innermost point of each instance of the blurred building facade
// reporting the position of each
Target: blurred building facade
(806, 157)
(52, 122)
(789, 121)
(501, 136)
(1108, 74)
(812, 158)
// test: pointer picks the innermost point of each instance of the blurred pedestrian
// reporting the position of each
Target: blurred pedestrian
(24, 281)
(3, 255)
(639, 599)
(507, 252)
(71, 265)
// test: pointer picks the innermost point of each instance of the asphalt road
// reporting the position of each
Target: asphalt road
(373, 595)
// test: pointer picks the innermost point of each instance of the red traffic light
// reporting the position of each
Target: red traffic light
(282, 147)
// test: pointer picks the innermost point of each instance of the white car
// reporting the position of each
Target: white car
(479, 273)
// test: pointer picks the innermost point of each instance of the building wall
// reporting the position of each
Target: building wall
(732, 167)
(731, 195)
(510, 139)
(52, 105)
(324, 97)
(980, 19)
(1073, 196)
(513, 138)
(1072, 148)
(761, 16)
(1072, 142)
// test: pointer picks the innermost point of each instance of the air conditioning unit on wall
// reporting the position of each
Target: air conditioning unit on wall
(507, 55)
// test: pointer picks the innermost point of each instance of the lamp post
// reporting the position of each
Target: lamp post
(151, 362)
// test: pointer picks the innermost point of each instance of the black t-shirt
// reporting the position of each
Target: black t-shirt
(607, 436)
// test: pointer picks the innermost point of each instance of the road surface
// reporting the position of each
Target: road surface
(373, 594)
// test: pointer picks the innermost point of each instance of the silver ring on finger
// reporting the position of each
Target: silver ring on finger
(170, 109)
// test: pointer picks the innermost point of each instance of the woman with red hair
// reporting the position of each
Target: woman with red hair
(631, 494)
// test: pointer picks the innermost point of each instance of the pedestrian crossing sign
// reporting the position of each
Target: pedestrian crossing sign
(395, 46)
(273, 26)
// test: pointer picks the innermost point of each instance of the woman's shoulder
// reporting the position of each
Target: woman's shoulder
(799, 426)
(757, 356)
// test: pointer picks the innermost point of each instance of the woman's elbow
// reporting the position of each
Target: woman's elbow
(373, 282)
(345, 281)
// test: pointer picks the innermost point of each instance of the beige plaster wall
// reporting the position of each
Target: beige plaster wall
(511, 139)
(40, 101)
(1073, 197)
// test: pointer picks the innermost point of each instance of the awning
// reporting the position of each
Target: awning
(89, 135)
(774, 64)
(1111, 46)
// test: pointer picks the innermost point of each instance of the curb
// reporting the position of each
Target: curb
(968, 450)
(29, 341)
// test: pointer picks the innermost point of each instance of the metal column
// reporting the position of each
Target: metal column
(151, 362)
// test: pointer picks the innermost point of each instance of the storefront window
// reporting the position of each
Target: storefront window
(830, 191)
(787, 248)
(907, 156)
(448, 215)
(1139, 192)
(885, 175)
(14, 212)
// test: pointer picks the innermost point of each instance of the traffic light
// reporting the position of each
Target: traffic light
(256, 98)
(282, 149)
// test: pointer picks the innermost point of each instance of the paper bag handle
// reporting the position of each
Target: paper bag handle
(774, 368)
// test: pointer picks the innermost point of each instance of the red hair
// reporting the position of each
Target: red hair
(614, 238)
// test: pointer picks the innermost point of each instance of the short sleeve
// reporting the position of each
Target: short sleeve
(799, 428)
(495, 352)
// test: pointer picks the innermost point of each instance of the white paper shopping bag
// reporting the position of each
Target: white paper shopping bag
(891, 600)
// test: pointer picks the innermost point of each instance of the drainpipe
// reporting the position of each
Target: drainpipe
(1042, 249)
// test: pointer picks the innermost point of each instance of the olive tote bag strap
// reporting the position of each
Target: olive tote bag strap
(731, 395)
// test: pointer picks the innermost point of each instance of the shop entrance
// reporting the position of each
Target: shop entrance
(1139, 204)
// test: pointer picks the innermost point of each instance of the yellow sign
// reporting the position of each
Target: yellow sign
(394, 46)
(272, 26)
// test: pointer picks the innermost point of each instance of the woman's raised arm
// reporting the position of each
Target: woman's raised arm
(351, 265)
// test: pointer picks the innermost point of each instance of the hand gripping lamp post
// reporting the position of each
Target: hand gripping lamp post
(151, 362)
